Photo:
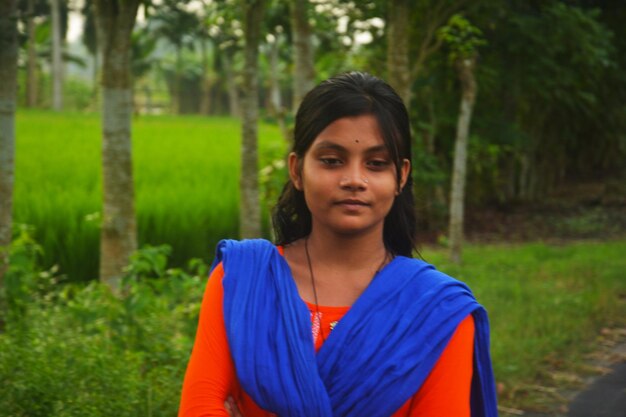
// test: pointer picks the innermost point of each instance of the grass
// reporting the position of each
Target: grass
(547, 306)
(186, 183)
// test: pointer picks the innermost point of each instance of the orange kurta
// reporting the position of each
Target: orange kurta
(211, 378)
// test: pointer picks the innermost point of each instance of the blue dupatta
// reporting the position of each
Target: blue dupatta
(375, 359)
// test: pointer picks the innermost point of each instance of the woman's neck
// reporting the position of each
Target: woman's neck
(346, 251)
(339, 266)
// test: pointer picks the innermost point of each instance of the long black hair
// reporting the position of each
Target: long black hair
(346, 95)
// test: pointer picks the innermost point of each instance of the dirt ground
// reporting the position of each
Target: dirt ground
(584, 211)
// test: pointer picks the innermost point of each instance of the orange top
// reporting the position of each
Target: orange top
(211, 377)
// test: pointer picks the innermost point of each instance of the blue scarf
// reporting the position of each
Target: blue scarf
(375, 359)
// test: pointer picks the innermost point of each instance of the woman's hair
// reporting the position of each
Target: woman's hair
(348, 95)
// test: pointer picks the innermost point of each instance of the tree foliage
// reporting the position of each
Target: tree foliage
(461, 37)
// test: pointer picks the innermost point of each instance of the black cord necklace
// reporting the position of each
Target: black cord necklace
(317, 306)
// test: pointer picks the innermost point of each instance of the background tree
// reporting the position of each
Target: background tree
(90, 40)
(550, 80)
(411, 43)
(277, 50)
(250, 210)
(560, 96)
(31, 60)
(411, 28)
(44, 55)
(304, 69)
(224, 28)
(462, 39)
(115, 20)
(227, 60)
(207, 51)
(275, 102)
(398, 71)
(142, 47)
(57, 56)
(8, 94)
(178, 25)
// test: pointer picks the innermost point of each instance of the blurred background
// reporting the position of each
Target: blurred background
(524, 100)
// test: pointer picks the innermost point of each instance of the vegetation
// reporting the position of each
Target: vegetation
(71, 349)
(546, 305)
(552, 82)
(76, 350)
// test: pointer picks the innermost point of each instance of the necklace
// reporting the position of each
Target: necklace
(317, 306)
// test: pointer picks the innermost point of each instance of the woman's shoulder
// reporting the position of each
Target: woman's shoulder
(245, 246)
(417, 266)
(246, 251)
(425, 272)
(244, 243)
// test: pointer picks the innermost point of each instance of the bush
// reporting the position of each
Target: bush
(78, 95)
(81, 350)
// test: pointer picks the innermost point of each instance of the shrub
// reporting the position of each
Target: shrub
(76, 350)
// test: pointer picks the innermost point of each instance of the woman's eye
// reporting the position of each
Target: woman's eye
(330, 161)
(378, 163)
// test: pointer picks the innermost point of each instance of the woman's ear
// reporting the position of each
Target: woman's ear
(295, 173)
(405, 170)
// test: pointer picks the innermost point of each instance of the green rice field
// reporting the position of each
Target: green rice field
(186, 183)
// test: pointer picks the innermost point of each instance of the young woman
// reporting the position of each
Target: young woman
(337, 319)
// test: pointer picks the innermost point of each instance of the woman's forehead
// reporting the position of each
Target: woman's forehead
(361, 130)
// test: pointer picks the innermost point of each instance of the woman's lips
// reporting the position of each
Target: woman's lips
(352, 204)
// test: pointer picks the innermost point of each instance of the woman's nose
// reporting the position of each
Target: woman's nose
(354, 179)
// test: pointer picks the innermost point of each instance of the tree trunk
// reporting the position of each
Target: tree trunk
(148, 95)
(177, 99)
(304, 67)
(205, 98)
(398, 71)
(250, 210)
(57, 57)
(31, 62)
(94, 76)
(118, 238)
(465, 68)
(276, 102)
(8, 93)
(234, 104)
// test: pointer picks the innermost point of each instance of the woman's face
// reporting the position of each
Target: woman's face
(347, 176)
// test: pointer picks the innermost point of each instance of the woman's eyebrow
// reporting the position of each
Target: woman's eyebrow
(326, 144)
(376, 149)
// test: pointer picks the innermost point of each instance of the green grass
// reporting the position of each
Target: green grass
(186, 183)
(547, 305)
